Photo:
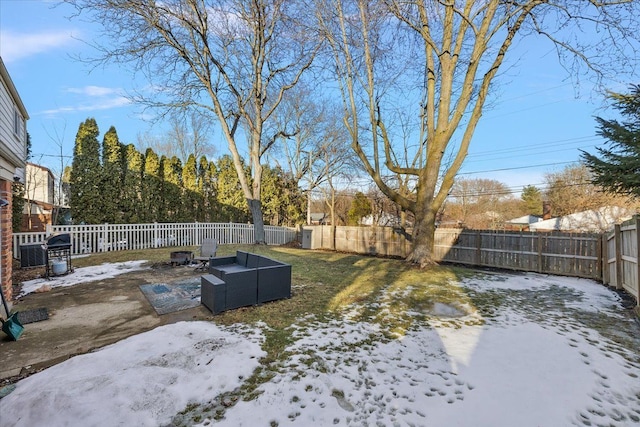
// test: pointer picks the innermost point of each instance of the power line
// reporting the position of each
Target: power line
(517, 189)
(517, 167)
(529, 154)
(51, 155)
(543, 145)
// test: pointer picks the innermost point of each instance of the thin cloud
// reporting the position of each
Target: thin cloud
(16, 46)
(105, 104)
(93, 90)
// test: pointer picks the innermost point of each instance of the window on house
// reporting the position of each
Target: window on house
(16, 123)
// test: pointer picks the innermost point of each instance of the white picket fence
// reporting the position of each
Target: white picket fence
(119, 237)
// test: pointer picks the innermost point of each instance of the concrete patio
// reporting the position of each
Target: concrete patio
(88, 316)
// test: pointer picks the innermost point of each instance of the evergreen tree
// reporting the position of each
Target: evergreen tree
(360, 207)
(132, 205)
(294, 207)
(152, 199)
(86, 173)
(233, 207)
(112, 187)
(192, 196)
(282, 201)
(209, 188)
(172, 188)
(65, 197)
(271, 195)
(618, 169)
(532, 200)
(17, 206)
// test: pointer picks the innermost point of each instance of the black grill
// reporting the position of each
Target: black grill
(58, 249)
(58, 241)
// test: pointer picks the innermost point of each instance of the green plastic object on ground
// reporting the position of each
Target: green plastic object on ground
(12, 325)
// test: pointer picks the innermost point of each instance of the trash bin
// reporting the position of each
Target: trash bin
(307, 236)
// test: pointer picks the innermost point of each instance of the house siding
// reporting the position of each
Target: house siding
(13, 151)
(39, 184)
(12, 144)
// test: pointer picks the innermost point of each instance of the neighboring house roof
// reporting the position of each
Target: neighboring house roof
(385, 220)
(596, 220)
(524, 220)
(43, 205)
(43, 168)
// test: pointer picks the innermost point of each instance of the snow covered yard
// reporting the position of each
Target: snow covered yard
(517, 349)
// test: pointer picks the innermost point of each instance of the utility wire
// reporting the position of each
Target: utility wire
(517, 167)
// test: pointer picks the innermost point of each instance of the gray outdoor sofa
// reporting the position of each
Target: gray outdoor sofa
(243, 280)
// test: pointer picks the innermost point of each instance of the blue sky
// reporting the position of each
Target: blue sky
(537, 124)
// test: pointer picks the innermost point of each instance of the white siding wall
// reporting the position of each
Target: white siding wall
(39, 184)
(12, 138)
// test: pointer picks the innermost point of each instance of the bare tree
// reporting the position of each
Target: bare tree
(317, 151)
(236, 59)
(479, 202)
(302, 122)
(438, 61)
(190, 134)
(572, 190)
(60, 201)
(336, 165)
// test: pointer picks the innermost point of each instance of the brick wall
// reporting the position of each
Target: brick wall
(5, 241)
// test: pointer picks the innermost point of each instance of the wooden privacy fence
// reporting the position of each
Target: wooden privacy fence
(109, 237)
(570, 254)
(567, 254)
(621, 267)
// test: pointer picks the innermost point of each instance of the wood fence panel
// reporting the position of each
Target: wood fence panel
(611, 257)
(628, 258)
(553, 253)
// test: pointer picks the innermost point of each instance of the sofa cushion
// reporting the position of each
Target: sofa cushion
(253, 261)
(241, 258)
(268, 262)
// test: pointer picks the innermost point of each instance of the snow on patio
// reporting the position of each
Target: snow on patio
(539, 361)
(82, 275)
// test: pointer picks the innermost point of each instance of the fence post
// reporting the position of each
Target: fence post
(403, 247)
(617, 238)
(103, 237)
(155, 235)
(606, 270)
(539, 252)
(637, 295)
(599, 251)
(478, 248)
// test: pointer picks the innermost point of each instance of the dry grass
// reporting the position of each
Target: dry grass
(324, 284)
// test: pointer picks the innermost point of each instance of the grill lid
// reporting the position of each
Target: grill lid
(58, 240)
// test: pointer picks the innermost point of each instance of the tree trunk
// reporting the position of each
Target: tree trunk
(255, 206)
(422, 248)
